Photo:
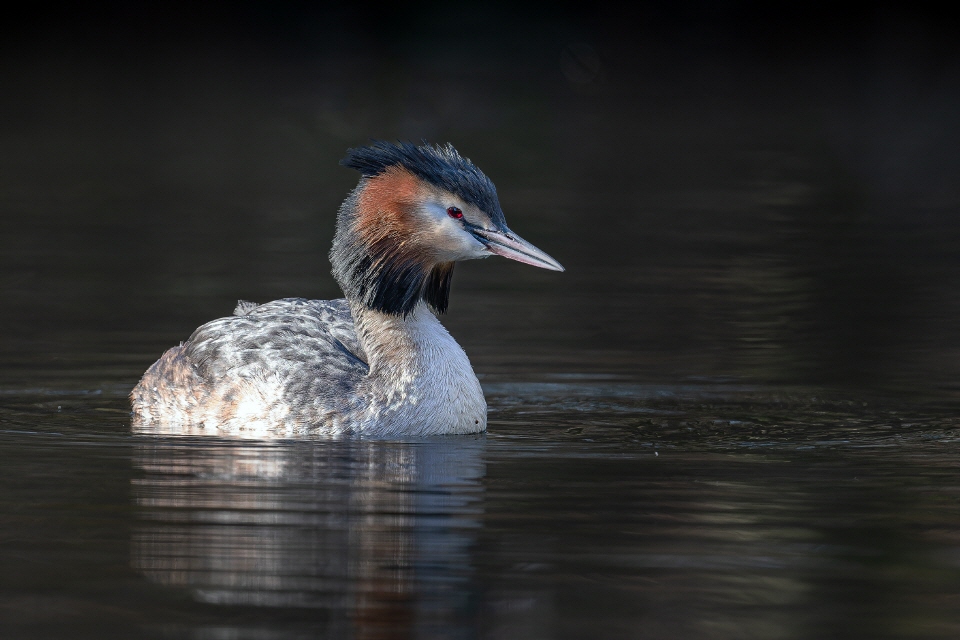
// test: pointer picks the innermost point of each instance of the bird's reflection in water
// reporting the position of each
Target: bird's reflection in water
(377, 533)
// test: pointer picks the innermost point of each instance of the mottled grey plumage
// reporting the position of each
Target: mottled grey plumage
(376, 363)
(280, 332)
(306, 352)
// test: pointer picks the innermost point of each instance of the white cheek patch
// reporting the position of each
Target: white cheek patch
(446, 237)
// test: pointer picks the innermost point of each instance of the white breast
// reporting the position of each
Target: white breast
(421, 381)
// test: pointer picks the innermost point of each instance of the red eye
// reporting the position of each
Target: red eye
(454, 212)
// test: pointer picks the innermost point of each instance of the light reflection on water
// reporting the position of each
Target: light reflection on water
(377, 533)
(591, 507)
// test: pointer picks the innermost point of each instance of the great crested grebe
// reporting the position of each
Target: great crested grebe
(376, 363)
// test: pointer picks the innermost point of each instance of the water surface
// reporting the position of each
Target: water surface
(591, 507)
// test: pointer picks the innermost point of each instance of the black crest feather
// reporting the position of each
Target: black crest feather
(440, 165)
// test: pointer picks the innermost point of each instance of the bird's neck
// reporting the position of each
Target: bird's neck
(398, 345)
(420, 380)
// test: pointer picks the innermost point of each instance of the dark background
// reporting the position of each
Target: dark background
(738, 190)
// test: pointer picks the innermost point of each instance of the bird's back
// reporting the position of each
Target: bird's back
(289, 362)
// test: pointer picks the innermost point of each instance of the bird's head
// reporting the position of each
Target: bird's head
(416, 212)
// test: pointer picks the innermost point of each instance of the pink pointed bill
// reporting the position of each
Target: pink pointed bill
(510, 245)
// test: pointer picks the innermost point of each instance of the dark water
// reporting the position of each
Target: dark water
(593, 508)
(734, 416)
